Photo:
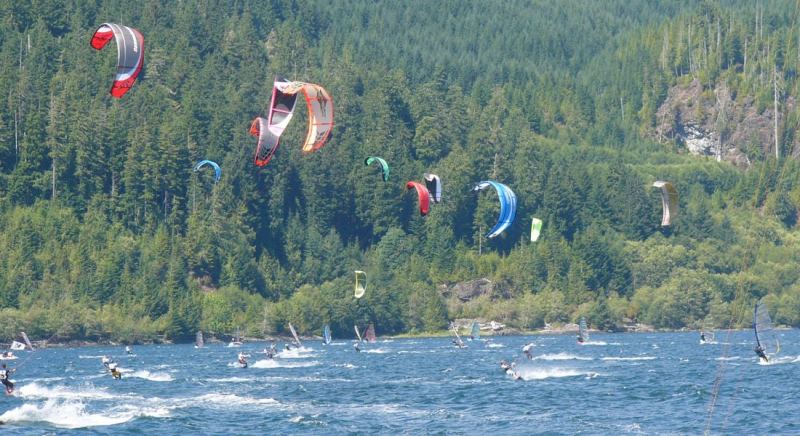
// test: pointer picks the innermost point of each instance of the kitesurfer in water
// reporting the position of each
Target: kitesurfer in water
(761, 354)
(115, 372)
(107, 361)
(5, 373)
(243, 360)
(527, 350)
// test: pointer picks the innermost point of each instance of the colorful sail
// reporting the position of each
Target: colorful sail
(762, 326)
(130, 54)
(475, 331)
(669, 202)
(326, 335)
(212, 164)
(384, 166)
(508, 206)
(370, 334)
(27, 341)
(536, 229)
(361, 284)
(198, 340)
(434, 185)
(424, 197)
(583, 330)
(294, 334)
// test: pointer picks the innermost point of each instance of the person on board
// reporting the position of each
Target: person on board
(580, 339)
(761, 354)
(115, 372)
(128, 350)
(702, 336)
(358, 350)
(243, 360)
(528, 350)
(505, 365)
(5, 373)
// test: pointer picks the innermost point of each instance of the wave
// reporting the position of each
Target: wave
(297, 353)
(34, 390)
(231, 400)
(376, 351)
(273, 363)
(629, 358)
(596, 343)
(73, 414)
(544, 373)
(147, 375)
(561, 356)
(496, 345)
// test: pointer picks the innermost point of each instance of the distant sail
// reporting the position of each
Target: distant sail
(361, 284)
(326, 334)
(17, 346)
(358, 333)
(198, 340)
(294, 333)
(583, 330)
(475, 331)
(536, 229)
(27, 341)
(707, 333)
(762, 325)
(370, 334)
(458, 340)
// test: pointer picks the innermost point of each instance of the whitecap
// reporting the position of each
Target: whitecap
(277, 363)
(629, 358)
(73, 414)
(34, 390)
(560, 356)
(151, 376)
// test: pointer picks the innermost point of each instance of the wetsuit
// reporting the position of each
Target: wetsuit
(4, 375)
(760, 352)
(114, 371)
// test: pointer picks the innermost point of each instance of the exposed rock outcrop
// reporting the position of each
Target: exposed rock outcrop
(468, 290)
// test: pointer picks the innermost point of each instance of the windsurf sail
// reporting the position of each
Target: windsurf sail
(198, 340)
(17, 346)
(326, 335)
(475, 331)
(583, 330)
(762, 326)
(358, 334)
(27, 341)
(370, 334)
(707, 332)
(294, 334)
(458, 340)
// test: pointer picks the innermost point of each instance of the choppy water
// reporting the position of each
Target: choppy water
(616, 384)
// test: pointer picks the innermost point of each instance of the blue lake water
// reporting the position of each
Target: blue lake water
(644, 383)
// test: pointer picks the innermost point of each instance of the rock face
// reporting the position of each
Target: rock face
(466, 291)
(712, 122)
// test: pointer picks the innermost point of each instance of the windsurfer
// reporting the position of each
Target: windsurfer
(761, 354)
(355, 346)
(702, 336)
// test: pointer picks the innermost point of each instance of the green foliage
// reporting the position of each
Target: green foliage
(102, 218)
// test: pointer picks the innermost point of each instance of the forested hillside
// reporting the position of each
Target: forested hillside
(106, 232)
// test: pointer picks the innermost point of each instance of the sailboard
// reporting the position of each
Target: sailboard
(370, 334)
(762, 327)
(707, 332)
(17, 346)
(294, 334)
(237, 339)
(459, 343)
(358, 334)
(198, 340)
(27, 341)
(475, 331)
(326, 334)
(583, 331)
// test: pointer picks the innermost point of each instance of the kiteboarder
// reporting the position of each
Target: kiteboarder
(5, 373)
(580, 339)
(115, 372)
(358, 350)
(702, 336)
(107, 361)
(761, 354)
(243, 360)
(505, 365)
(128, 350)
(527, 349)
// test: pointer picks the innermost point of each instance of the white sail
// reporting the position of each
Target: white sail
(294, 334)
(198, 340)
(27, 341)
(762, 326)
(583, 331)
(358, 333)
(475, 331)
(17, 346)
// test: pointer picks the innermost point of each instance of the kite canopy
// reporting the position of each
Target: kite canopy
(536, 229)
(217, 169)
(424, 196)
(130, 54)
(508, 205)
(281, 110)
(384, 166)
(669, 202)
(361, 284)
(434, 185)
